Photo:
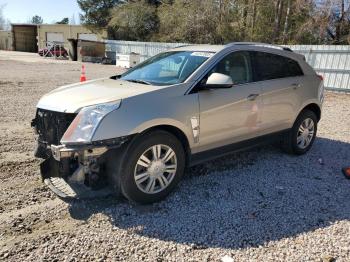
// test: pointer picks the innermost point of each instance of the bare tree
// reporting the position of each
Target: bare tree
(331, 21)
(278, 17)
(222, 21)
(340, 23)
(254, 5)
(286, 21)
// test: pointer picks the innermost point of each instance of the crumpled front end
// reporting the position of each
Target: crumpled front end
(79, 171)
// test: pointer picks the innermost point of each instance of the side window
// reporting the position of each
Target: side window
(294, 68)
(237, 66)
(270, 66)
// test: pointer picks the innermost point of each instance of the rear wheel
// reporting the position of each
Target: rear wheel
(153, 166)
(302, 135)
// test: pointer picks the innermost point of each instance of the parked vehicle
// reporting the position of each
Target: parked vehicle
(55, 50)
(136, 132)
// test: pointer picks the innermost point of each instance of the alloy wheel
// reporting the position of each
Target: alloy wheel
(305, 133)
(155, 169)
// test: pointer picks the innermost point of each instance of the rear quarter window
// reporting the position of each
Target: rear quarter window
(270, 66)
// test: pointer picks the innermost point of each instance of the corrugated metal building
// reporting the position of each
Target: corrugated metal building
(30, 38)
(59, 33)
(5, 40)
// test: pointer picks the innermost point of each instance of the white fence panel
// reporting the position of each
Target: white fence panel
(145, 49)
(331, 61)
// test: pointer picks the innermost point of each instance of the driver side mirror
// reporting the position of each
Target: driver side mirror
(217, 80)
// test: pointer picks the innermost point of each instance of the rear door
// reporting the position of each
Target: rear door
(280, 79)
(230, 115)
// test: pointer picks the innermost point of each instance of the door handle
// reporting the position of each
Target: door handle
(252, 97)
(296, 85)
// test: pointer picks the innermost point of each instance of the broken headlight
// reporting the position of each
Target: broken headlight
(83, 127)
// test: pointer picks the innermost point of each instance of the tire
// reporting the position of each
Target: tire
(293, 140)
(153, 184)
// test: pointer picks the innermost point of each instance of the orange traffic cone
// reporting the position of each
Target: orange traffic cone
(82, 76)
(346, 171)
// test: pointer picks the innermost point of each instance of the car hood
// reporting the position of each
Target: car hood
(72, 98)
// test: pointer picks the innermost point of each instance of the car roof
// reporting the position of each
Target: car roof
(241, 45)
(203, 48)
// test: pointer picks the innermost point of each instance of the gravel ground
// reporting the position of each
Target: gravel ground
(257, 205)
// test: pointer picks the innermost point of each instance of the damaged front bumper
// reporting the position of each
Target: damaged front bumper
(61, 151)
(78, 171)
(73, 170)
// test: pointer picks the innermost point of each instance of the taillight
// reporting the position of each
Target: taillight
(320, 77)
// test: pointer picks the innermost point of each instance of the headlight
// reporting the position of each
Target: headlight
(85, 123)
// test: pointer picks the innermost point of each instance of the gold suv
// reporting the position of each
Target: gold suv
(135, 133)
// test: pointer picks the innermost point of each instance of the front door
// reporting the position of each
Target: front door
(230, 115)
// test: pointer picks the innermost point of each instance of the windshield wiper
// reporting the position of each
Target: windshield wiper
(115, 77)
(139, 81)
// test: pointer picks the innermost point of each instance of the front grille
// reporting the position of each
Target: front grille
(51, 125)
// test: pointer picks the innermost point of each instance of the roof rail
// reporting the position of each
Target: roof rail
(179, 46)
(261, 44)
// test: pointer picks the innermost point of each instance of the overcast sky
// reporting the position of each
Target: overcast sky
(20, 11)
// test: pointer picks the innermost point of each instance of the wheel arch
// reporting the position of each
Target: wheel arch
(314, 108)
(177, 132)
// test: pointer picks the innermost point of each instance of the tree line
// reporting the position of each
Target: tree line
(38, 20)
(221, 21)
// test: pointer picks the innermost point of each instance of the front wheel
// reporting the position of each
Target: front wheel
(154, 165)
(302, 135)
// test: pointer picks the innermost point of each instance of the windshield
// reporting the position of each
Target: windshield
(167, 68)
